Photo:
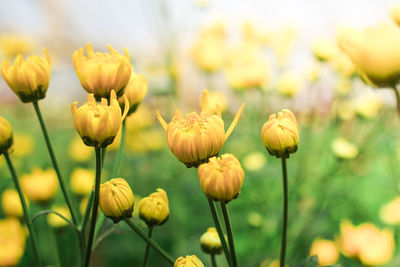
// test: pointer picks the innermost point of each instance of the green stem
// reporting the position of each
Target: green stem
(24, 208)
(117, 163)
(230, 234)
(95, 206)
(219, 230)
(54, 161)
(285, 213)
(213, 261)
(146, 253)
(149, 241)
(397, 94)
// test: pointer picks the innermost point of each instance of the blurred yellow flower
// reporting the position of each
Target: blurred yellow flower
(210, 242)
(281, 43)
(79, 151)
(116, 199)
(344, 149)
(135, 91)
(23, 145)
(217, 98)
(98, 124)
(375, 53)
(142, 118)
(221, 178)
(154, 209)
(83, 204)
(188, 261)
(28, 79)
(289, 84)
(145, 140)
(324, 49)
(6, 135)
(314, 72)
(254, 161)
(390, 212)
(368, 105)
(372, 246)
(40, 185)
(255, 219)
(395, 14)
(55, 220)
(82, 181)
(11, 203)
(99, 73)
(194, 139)
(12, 45)
(280, 134)
(12, 242)
(342, 64)
(344, 110)
(343, 86)
(325, 250)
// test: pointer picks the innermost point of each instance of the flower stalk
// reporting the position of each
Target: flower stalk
(285, 212)
(229, 233)
(146, 253)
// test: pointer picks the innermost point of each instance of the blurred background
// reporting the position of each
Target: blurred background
(343, 180)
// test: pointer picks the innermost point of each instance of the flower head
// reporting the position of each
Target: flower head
(135, 91)
(116, 199)
(210, 242)
(55, 220)
(326, 252)
(11, 203)
(390, 212)
(154, 209)
(12, 243)
(82, 181)
(28, 79)
(280, 134)
(6, 135)
(99, 73)
(375, 53)
(188, 261)
(221, 178)
(343, 149)
(40, 185)
(98, 124)
(195, 138)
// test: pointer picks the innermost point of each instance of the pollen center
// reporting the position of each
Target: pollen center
(191, 120)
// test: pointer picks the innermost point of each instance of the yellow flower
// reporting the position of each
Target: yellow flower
(324, 49)
(12, 45)
(116, 199)
(289, 84)
(314, 72)
(145, 140)
(326, 252)
(395, 14)
(196, 138)
(372, 246)
(154, 209)
(23, 145)
(83, 205)
(368, 105)
(344, 149)
(99, 73)
(135, 91)
(28, 79)
(11, 203)
(221, 178)
(79, 151)
(255, 219)
(217, 98)
(12, 242)
(390, 212)
(188, 261)
(254, 161)
(55, 220)
(210, 242)
(98, 124)
(375, 53)
(82, 181)
(39, 185)
(6, 135)
(280, 134)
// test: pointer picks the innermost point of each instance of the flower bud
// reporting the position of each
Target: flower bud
(210, 242)
(188, 261)
(221, 178)
(98, 124)
(154, 209)
(82, 181)
(56, 221)
(326, 251)
(116, 199)
(11, 203)
(280, 134)
(39, 185)
(6, 135)
(28, 79)
(99, 73)
(194, 139)
(135, 91)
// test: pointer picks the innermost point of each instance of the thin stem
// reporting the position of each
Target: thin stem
(230, 233)
(24, 208)
(54, 161)
(117, 163)
(397, 94)
(95, 206)
(219, 230)
(149, 241)
(87, 212)
(146, 253)
(213, 261)
(285, 213)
